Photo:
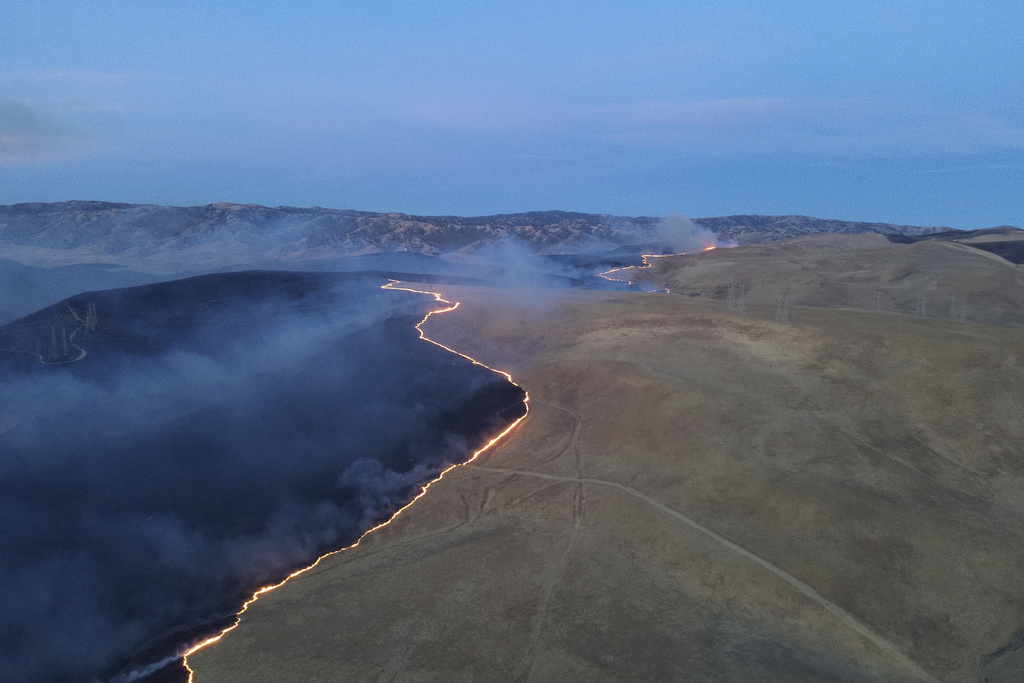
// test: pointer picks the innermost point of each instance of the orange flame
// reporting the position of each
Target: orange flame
(423, 491)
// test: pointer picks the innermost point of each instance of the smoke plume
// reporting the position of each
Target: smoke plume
(219, 433)
(682, 235)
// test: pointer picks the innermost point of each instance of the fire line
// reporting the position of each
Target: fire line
(646, 264)
(266, 589)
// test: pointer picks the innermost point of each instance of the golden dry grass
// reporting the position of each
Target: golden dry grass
(697, 494)
(860, 272)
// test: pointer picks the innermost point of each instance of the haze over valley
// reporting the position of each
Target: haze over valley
(87, 245)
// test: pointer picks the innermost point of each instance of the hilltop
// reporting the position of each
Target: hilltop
(962, 280)
(161, 239)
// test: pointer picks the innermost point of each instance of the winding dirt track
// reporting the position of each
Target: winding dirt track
(557, 573)
(839, 613)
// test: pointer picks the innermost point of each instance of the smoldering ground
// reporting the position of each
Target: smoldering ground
(217, 434)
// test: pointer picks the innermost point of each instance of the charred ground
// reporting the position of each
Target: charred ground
(217, 433)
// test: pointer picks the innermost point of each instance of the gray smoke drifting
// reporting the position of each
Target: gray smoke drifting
(682, 235)
(217, 434)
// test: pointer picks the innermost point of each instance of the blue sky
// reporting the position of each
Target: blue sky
(907, 112)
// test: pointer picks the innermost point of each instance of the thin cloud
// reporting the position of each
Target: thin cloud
(73, 92)
(843, 126)
(488, 114)
(857, 126)
(30, 136)
(58, 114)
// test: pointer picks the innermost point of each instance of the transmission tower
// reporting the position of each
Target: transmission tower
(737, 298)
(782, 307)
(90, 318)
(876, 303)
(54, 352)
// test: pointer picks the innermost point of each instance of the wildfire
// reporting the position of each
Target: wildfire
(646, 264)
(423, 491)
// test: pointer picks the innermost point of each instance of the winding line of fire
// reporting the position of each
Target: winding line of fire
(647, 264)
(266, 589)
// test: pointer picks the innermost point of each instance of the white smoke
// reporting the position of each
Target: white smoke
(682, 235)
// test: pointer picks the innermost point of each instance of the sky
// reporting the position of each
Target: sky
(899, 111)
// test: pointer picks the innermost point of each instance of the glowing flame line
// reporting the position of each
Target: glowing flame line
(423, 491)
(646, 264)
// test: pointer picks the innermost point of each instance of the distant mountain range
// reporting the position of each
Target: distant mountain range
(759, 229)
(88, 231)
(49, 251)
